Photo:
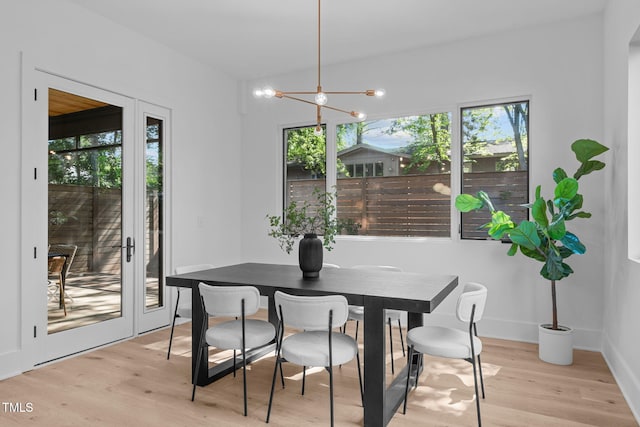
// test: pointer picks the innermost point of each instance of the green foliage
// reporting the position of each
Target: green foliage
(304, 218)
(93, 160)
(430, 139)
(546, 238)
(484, 126)
(308, 149)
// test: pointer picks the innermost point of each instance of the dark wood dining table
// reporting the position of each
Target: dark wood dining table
(415, 293)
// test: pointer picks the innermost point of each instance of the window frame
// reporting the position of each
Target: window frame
(456, 168)
(451, 109)
(460, 150)
(283, 156)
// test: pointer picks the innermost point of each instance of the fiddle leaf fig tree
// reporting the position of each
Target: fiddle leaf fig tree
(545, 237)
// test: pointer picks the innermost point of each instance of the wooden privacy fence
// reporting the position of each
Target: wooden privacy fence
(507, 190)
(90, 217)
(417, 205)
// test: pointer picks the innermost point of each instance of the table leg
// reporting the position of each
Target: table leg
(374, 363)
(196, 333)
(380, 402)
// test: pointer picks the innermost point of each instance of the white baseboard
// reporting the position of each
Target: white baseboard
(10, 365)
(583, 339)
(627, 381)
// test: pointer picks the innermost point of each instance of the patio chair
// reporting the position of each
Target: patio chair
(66, 250)
(55, 270)
(68, 253)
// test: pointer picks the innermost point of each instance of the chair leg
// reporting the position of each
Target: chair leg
(331, 392)
(420, 368)
(393, 371)
(357, 328)
(475, 383)
(203, 350)
(234, 363)
(304, 375)
(281, 375)
(360, 378)
(406, 387)
(244, 377)
(273, 383)
(481, 378)
(195, 378)
(173, 324)
(401, 338)
(62, 292)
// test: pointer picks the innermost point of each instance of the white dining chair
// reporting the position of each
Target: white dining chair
(183, 305)
(356, 312)
(237, 334)
(453, 343)
(317, 345)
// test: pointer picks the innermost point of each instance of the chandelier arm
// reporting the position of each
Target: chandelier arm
(368, 92)
(300, 92)
(299, 99)
(362, 92)
(351, 113)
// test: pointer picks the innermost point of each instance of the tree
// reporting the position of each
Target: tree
(518, 115)
(430, 139)
(476, 123)
(91, 160)
(545, 238)
(308, 149)
(350, 132)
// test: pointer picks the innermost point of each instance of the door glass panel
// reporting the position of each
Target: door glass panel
(154, 295)
(85, 211)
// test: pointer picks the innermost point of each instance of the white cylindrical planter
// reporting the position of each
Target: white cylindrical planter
(555, 346)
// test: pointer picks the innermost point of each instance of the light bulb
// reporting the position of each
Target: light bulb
(321, 98)
(359, 115)
(258, 93)
(318, 131)
(268, 92)
(379, 93)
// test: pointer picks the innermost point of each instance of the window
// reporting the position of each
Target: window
(393, 176)
(305, 164)
(353, 170)
(495, 141)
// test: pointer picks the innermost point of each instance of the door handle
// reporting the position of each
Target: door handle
(131, 248)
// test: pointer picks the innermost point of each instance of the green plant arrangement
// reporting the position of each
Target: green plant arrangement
(545, 238)
(301, 219)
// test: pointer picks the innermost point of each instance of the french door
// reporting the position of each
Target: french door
(94, 200)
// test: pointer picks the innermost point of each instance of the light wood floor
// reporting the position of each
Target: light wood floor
(132, 384)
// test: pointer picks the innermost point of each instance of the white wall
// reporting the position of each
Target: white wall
(620, 337)
(74, 43)
(559, 66)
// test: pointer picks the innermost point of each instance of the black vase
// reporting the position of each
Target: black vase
(310, 256)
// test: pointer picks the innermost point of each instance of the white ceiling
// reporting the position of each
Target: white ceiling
(249, 39)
